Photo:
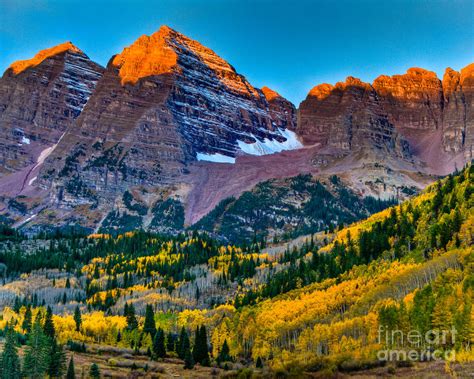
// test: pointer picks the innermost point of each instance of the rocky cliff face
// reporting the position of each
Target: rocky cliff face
(40, 98)
(348, 117)
(434, 116)
(163, 102)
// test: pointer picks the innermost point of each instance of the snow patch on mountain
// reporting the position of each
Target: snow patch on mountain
(217, 158)
(271, 146)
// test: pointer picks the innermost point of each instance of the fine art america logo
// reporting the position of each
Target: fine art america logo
(415, 346)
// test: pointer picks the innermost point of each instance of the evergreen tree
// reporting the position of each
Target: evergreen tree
(48, 326)
(71, 374)
(26, 325)
(132, 322)
(224, 354)
(77, 318)
(57, 360)
(183, 344)
(9, 361)
(149, 326)
(170, 342)
(201, 350)
(259, 363)
(94, 371)
(37, 352)
(188, 359)
(159, 350)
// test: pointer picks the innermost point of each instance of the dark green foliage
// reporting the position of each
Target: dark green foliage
(188, 359)
(183, 344)
(224, 353)
(94, 371)
(133, 205)
(17, 206)
(48, 325)
(149, 325)
(57, 360)
(9, 360)
(79, 347)
(270, 205)
(259, 363)
(170, 342)
(71, 373)
(77, 318)
(159, 349)
(168, 216)
(132, 322)
(117, 223)
(201, 349)
(36, 361)
(26, 325)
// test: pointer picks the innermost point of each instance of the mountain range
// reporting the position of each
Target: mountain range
(169, 130)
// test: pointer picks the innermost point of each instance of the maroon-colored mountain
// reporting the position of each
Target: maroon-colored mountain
(163, 102)
(435, 116)
(39, 99)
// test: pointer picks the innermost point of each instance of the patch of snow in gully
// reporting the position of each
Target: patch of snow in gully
(218, 158)
(271, 146)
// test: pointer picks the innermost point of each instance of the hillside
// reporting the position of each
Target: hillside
(314, 309)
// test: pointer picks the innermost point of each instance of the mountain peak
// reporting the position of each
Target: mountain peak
(321, 91)
(167, 51)
(417, 71)
(20, 66)
(270, 94)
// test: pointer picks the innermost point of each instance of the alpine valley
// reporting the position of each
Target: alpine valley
(163, 217)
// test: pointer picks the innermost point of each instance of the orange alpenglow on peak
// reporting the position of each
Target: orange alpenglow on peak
(321, 91)
(467, 72)
(270, 94)
(164, 52)
(422, 72)
(147, 56)
(20, 66)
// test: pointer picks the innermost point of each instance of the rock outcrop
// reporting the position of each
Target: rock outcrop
(434, 116)
(39, 99)
(347, 117)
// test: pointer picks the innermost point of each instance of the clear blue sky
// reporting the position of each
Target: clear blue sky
(288, 45)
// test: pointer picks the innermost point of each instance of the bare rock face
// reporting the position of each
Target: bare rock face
(163, 102)
(347, 117)
(467, 87)
(434, 116)
(282, 112)
(40, 98)
(413, 100)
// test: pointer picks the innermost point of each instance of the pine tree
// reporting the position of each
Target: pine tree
(170, 342)
(159, 350)
(9, 361)
(132, 322)
(201, 350)
(48, 326)
(37, 352)
(188, 359)
(94, 371)
(149, 326)
(224, 354)
(77, 318)
(259, 363)
(71, 374)
(57, 360)
(183, 343)
(26, 325)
